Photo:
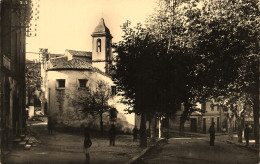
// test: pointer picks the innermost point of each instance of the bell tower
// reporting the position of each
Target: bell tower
(101, 47)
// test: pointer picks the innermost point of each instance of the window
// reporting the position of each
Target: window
(212, 106)
(83, 83)
(212, 120)
(98, 45)
(113, 88)
(218, 107)
(61, 83)
(203, 106)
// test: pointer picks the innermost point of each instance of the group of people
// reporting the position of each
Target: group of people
(212, 134)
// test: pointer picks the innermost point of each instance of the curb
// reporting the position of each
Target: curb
(144, 151)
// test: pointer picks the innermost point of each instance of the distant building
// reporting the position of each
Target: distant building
(200, 121)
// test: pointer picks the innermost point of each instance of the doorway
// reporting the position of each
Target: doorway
(218, 127)
(193, 124)
(204, 125)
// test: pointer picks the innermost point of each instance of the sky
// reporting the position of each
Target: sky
(68, 24)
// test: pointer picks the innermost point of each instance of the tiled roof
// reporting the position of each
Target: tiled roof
(62, 63)
(94, 69)
(101, 29)
(55, 55)
(80, 53)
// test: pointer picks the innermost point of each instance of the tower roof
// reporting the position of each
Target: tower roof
(101, 29)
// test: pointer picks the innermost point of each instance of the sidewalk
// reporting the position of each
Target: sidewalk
(61, 147)
(223, 137)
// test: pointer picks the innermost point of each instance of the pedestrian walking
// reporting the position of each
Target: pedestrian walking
(112, 135)
(135, 132)
(212, 133)
(50, 125)
(246, 134)
(87, 145)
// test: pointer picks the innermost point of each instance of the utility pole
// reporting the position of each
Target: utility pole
(44, 57)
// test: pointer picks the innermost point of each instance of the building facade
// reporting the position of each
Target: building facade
(12, 70)
(200, 121)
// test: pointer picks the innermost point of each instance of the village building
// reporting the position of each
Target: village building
(64, 75)
(12, 72)
(200, 121)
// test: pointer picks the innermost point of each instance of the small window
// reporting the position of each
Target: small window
(212, 107)
(113, 88)
(61, 83)
(98, 45)
(203, 106)
(83, 83)
(212, 120)
(218, 108)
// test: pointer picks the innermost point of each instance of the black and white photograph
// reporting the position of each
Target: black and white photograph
(129, 81)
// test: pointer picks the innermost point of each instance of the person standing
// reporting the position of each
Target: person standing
(135, 132)
(246, 134)
(212, 133)
(112, 135)
(87, 145)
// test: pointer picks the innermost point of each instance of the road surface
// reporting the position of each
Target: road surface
(198, 151)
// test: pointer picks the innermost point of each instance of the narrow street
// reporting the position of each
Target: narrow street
(197, 151)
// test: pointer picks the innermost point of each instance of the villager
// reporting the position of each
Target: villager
(87, 145)
(246, 134)
(50, 125)
(135, 132)
(112, 135)
(212, 133)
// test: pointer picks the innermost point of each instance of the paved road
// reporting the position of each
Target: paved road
(198, 151)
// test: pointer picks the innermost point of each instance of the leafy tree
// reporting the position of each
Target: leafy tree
(33, 83)
(225, 36)
(167, 28)
(149, 79)
(94, 101)
(136, 72)
(191, 52)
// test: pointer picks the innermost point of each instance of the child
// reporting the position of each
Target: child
(87, 144)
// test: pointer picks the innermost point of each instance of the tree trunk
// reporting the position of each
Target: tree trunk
(160, 129)
(181, 130)
(230, 127)
(240, 129)
(152, 128)
(256, 121)
(143, 137)
(167, 136)
(183, 118)
(101, 125)
(256, 99)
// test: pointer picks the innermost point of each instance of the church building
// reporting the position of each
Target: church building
(66, 75)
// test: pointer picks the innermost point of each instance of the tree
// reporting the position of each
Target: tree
(137, 72)
(225, 35)
(99, 104)
(33, 83)
(190, 52)
(151, 80)
(94, 101)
